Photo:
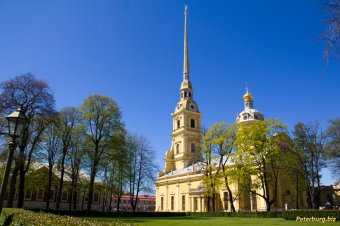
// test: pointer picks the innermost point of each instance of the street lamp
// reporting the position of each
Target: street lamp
(16, 125)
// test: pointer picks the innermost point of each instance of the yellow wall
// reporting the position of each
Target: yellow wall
(190, 186)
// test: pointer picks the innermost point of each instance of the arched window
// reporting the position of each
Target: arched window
(185, 94)
(193, 148)
(192, 123)
(177, 148)
(178, 124)
(189, 94)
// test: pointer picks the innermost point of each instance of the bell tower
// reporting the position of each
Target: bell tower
(186, 119)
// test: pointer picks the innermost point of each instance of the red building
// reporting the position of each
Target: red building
(146, 203)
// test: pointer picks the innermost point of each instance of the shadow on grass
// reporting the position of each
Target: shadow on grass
(145, 220)
(8, 220)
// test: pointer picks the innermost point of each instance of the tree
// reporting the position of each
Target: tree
(141, 169)
(294, 173)
(115, 170)
(50, 150)
(331, 35)
(218, 147)
(260, 157)
(69, 117)
(309, 147)
(35, 98)
(74, 159)
(333, 146)
(101, 116)
(211, 177)
(224, 141)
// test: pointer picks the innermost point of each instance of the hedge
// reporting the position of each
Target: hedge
(20, 217)
(293, 214)
(78, 213)
(262, 214)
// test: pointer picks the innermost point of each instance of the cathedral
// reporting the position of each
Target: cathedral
(179, 188)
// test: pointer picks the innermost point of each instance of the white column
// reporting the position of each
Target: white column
(203, 204)
(166, 208)
(192, 204)
(178, 198)
(157, 201)
(200, 208)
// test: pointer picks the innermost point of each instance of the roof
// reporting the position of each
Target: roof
(39, 165)
(190, 105)
(139, 197)
(197, 167)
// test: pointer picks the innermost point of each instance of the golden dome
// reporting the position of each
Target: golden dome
(248, 96)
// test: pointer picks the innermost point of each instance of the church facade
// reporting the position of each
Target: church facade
(179, 188)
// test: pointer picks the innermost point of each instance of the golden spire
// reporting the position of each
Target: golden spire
(248, 95)
(186, 70)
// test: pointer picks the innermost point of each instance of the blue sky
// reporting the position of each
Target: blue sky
(132, 51)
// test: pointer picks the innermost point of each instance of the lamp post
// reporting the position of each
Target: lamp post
(16, 125)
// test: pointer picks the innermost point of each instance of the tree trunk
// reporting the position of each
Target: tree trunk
(268, 205)
(70, 198)
(104, 202)
(318, 201)
(12, 188)
(82, 202)
(309, 196)
(110, 204)
(74, 198)
(297, 191)
(21, 195)
(208, 204)
(90, 196)
(118, 204)
(213, 202)
(231, 201)
(49, 185)
(61, 182)
(230, 194)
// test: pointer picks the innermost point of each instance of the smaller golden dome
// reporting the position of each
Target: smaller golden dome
(248, 96)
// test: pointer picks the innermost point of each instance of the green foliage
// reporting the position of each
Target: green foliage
(260, 154)
(269, 214)
(264, 214)
(20, 217)
(333, 146)
(101, 116)
(309, 149)
(79, 213)
(292, 214)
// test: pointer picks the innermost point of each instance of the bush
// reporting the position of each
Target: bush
(20, 217)
(79, 213)
(293, 214)
(270, 214)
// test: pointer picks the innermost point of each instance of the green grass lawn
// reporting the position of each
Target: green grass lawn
(216, 221)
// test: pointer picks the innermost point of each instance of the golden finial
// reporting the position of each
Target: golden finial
(248, 95)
